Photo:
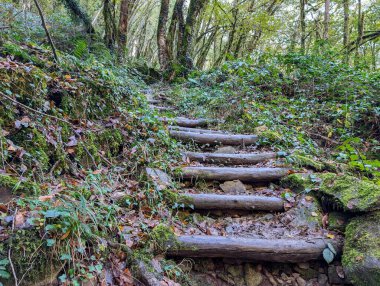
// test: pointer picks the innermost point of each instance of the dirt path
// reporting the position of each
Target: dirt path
(240, 227)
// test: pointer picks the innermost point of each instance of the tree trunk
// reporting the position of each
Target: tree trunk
(125, 14)
(163, 53)
(230, 174)
(109, 24)
(196, 130)
(195, 8)
(360, 28)
(176, 29)
(326, 21)
(256, 249)
(303, 26)
(346, 9)
(185, 122)
(75, 9)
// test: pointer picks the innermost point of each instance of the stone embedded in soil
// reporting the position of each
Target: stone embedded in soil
(226, 150)
(252, 276)
(233, 187)
(361, 253)
(160, 179)
(348, 192)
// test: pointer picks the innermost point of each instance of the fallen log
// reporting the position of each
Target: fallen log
(161, 108)
(214, 139)
(272, 250)
(230, 174)
(185, 122)
(196, 130)
(230, 159)
(236, 202)
(154, 101)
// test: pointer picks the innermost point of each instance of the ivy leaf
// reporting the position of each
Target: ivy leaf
(4, 274)
(328, 255)
(50, 242)
(331, 247)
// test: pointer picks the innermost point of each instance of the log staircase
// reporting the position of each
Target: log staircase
(249, 168)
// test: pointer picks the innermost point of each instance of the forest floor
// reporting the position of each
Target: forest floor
(77, 203)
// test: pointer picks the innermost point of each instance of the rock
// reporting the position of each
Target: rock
(337, 221)
(361, 252)
(6, 195)
(303, 265)
(233, 187)
(335, 276)
(160, 179)
(308, 273)
(340, 191)
(301, 281)
(322, 279)
(226, 150)
(252, 276)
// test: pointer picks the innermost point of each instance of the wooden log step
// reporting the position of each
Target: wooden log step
(230, 159)
(271, 250)
(230, 174)
(233, 202)
(185, 122)
(196, 130)
(214, 139)
(161, 108)
(154, 101)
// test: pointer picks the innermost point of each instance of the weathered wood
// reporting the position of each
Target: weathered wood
(236, 202)
(230, 159)
(229, 174)
(273, 250)
(154, 101)
(196, 130)
(185, 122)
(161, 108)
(214, 139)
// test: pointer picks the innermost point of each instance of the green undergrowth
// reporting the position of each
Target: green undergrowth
(75, 140)
(314, 105)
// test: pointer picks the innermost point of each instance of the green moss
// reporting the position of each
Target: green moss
(297, 182)
(17, 186)
(361, 253)
(354, 194)
(112, 141)
(306, 161)
(163, 237)
(270, 136)
(337, 221)
(26, 248)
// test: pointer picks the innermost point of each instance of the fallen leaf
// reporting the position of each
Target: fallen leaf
(314, 214)
(330, 235)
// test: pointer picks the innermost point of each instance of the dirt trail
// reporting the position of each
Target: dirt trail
(234, 231)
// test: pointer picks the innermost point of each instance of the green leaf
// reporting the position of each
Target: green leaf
(328, 255)
(50, 242)
(52, 214)
(4, 261)
(4, 274)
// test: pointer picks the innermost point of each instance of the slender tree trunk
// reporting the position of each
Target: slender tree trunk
(76, 10)
(195, 9)
(176, 29)
(46, 31)
(163, 53)
(360, 28)
(346, 30)
(125, 14)
(326, 21)
(109, 24)
(303, 26)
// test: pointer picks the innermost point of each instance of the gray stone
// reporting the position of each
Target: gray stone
(322, 279)
(233, 187)
(252, 276)
(160, 179)
(226, 150)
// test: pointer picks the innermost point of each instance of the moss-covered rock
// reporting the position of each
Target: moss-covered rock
(361, 253)
(353, 194)
(306, 161)
(18, 186)
(163, 237)
(27, 259)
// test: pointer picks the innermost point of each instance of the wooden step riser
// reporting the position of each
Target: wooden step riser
(185, 122)
(230, 159)
(269, 250)
(233, 202)
(195, 130)
(214, 139)
(230, 174)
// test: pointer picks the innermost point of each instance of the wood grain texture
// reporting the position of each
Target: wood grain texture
(214, 138)
(230, 174)
(229, 159)
(234, 202)
(196, 130)
(185, 122)
(273, 250)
